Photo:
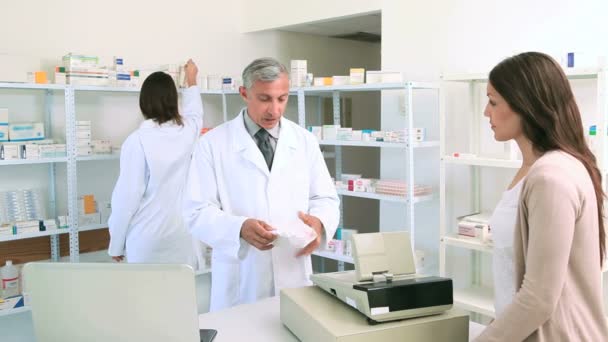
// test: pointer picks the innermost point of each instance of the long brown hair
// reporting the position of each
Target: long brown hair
(535, 86)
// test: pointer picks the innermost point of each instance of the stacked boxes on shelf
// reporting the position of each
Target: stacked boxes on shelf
(121, 76)
(399, 188)
(335, 132)
(356, 183)
(475, 226)
(22, 212)
(358, 76)
(21, 205)
(101, 146)
(79, 69)
(87, 211)
(25, 131)
(84, 70)
(298, 73)
(342, 244)
(83, 138)
(26, 140)
(90, 212)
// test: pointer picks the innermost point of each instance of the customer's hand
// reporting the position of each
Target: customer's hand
(258, 234)
(191, 73)
(314, 223)
(118, 258)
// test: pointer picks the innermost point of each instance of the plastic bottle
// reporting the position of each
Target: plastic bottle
(10, 280)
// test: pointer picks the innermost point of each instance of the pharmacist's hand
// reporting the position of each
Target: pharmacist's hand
(118, 258)
(258, 234)
(314, 223)
(191, 73)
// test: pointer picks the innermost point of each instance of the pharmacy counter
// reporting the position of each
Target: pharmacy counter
(261, 322)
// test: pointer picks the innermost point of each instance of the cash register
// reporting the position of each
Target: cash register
(384, 285)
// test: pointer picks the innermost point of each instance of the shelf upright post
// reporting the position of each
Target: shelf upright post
(410, 161)
(72, 176)
(442, 180)
(301, 108)
(224, 107)
(338, 151)
(52, 199)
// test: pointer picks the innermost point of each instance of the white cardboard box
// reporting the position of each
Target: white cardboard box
(26, 131)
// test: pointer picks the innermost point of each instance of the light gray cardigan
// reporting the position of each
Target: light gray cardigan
(557, 258)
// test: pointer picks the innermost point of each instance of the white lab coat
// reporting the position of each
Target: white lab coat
(230, 182)
(146, 223)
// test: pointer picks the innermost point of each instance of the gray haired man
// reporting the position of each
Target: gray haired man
(252, 179)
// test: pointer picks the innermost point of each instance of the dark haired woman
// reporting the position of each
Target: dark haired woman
(146, 224)
(558, 238)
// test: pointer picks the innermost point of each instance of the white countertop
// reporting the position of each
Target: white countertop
(261, 322)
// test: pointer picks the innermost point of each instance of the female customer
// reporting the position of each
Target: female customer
(558, 241)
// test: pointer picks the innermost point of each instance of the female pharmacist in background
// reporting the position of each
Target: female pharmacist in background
(558, 233)
(146, 224)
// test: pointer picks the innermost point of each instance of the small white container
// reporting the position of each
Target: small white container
(10, 280)
(340, 80)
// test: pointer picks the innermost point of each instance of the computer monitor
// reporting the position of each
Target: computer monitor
(98, 302)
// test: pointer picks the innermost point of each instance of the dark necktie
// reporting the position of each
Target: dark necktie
(263, 138)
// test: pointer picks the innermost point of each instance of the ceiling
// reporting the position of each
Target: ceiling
(366, 27)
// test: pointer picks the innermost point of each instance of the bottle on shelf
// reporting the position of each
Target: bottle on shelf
(10, 280)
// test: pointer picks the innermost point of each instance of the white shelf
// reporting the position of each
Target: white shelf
(571, 73)
(368, 87)
(201, 272)
(292, 91)
(104, 156)
(476, 299)
(14, 311)
(18, 85)
(33, 161)
(377, 144)
(219, 92)
(106, 88)
(33, 235)
(312, 89)
(468, 243)
(381, 197)
(93, 227)
(476, 161)
(334, 256)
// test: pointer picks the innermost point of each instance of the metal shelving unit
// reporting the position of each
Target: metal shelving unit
(33, 161)
(48, 92)
(94, 157)
(377, 144)
(23, 236)
(72, 159)
(92, 227)
(477, 298)
(381, 197)
(407, 89)
(489, 162)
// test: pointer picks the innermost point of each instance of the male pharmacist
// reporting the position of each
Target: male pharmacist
(258, 185)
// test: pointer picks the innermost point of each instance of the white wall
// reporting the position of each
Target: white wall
(426, 39)
(272, 14)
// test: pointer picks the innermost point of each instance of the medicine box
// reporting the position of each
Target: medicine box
(26, 131)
